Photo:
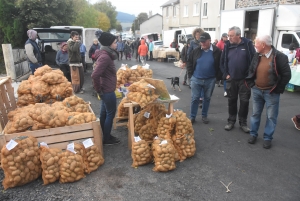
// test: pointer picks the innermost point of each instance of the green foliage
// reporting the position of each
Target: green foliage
(119, 27)
(142, 17)
(87, 15)
(103, 22)
(106, 7)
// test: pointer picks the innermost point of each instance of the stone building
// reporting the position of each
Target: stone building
(252, 3)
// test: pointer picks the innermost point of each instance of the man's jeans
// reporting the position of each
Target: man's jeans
(260, 98)
(107, 113)
(198, 85)
(237, 89)
(33, 67)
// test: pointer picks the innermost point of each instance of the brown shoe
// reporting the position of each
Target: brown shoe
(297, 125)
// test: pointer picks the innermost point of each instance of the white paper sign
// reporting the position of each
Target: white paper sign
(164, 142)
(88, 143)
(136, 139)
(156, 137)
(149, 85)
(11, 144)
(147, 115)
(146, 66)
(44, 144)
(123, 67)
(70, 148)
(168, 115)
(134, 67)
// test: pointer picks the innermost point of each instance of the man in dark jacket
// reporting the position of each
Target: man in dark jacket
(235, 61)
(268, 74)
(203, 69)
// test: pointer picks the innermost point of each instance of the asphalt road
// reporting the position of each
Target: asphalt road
(256, 174)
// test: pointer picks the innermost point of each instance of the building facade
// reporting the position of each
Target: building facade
(152, 25)
(195, 13)
(252, 3)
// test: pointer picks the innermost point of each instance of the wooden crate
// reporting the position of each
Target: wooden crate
(7, 100)
(55, 137)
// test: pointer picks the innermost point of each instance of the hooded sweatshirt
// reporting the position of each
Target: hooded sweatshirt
(143, 49)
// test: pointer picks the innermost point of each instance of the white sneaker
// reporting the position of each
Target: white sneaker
(225, 94)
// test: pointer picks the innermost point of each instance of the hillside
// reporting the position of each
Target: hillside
(125, 17)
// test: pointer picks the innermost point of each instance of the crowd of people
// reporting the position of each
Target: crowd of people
(244, 67)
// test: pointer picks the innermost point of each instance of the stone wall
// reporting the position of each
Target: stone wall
(252, 3)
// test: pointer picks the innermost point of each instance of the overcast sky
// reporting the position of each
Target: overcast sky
(136, 7)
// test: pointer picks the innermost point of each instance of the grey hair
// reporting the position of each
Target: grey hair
(95, 39)
(264, 39)
(237, 30)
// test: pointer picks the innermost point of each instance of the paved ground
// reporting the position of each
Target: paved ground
(256, 174)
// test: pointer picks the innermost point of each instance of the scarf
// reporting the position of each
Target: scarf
(197, 41)
(108, 49)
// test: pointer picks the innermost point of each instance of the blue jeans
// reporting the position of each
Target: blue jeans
(33, 67)
(207, 87)
(107, 113)
(260, 98)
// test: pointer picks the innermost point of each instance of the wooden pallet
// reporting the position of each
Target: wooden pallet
(116, 122)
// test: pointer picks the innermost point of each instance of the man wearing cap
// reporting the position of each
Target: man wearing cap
(104, 81)
(203, 70)
(235, 61)
(33, 52)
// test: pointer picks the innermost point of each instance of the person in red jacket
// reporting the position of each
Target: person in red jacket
(220, 45)
(143, 51)
(104, 81)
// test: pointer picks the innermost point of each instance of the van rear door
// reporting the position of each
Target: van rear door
(265, 22)
(230, 18)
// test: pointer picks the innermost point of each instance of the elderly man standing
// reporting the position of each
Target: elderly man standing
(268, 74)
(235, 61)
(34, 56)
(203, 68)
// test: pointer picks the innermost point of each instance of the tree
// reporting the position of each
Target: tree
(106, 7)
(103, 21)
(142, 17)
(45, 13)
(119, 27)
(87, 15)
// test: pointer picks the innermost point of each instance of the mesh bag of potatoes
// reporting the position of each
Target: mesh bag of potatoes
(185, 146)
(141, 152)
(55, 118)
(24, 87)
(123, 111)
(81, 118)
(164, 155)
(40, 90)
(71, 167)
(20, 160)
(61, 91)
(42, 70)
(72, 101)
(25, 99)
(183, 124)
(123, 74)
(20, 123)
(166, 125)
(92, 155)
(142, 92)
(50, 163)
(54, 77)
(147, 73)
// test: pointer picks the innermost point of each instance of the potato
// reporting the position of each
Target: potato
(164, 155)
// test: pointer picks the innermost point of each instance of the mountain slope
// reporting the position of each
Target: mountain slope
(125, 17)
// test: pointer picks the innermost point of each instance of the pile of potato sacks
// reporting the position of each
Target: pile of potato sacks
(45, 86)
(72, 110)
(28, 160)
(163, 138)
(126, 75)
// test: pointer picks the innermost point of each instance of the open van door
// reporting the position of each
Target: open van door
(265, 22)
(230, 18)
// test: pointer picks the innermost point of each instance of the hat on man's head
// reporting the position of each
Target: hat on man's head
(224, 35)
(106, 38)
(204, 37)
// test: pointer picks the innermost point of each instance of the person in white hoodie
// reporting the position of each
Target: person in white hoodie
(34, 56)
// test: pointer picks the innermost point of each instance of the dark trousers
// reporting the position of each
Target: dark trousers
(151, 55)
(65, 68)
(120, 53)
(236, 89)
(83, 63)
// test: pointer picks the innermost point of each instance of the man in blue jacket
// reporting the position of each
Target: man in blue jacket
(203, 70)
(235, 61)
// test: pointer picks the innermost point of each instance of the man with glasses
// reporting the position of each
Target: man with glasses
(235, 61)
(203, 69)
